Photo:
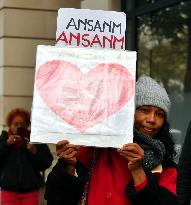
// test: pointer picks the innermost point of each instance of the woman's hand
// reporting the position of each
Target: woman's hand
(134, 154)
(13, 139)
(67, 152)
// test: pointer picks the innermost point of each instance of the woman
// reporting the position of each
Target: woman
(21, 162)
(140, 173)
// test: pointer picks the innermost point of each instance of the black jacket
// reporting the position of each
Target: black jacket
(152, 193)
(184, 171)
(19, 168)
(64, 189)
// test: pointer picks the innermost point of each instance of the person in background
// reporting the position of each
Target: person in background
(140, 173)
(184, 171)
(21, 162)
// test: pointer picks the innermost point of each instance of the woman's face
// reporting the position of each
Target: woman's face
(149, 120)
(18, 121)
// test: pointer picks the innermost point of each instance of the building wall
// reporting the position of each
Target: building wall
(108, 5)
(24, 24)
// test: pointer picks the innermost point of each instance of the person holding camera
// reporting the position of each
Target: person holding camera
(21, 162)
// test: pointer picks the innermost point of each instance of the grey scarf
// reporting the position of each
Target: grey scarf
(154, 150)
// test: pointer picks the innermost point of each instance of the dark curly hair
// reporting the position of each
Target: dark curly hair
(166, 138)
(18, 111)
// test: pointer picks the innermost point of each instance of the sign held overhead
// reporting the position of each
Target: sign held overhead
(91, 28)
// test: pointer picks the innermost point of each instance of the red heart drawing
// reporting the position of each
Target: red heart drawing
(84, 100)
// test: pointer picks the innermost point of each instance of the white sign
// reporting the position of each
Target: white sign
(91, 28)
(85, 96)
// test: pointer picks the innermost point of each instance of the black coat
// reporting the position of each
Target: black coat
(19, 168)
(184, 171)
(65, 189)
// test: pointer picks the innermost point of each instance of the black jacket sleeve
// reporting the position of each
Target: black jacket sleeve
(4, 147)
(62, 188)
(184, 171)
(42, 159)
(151, 194)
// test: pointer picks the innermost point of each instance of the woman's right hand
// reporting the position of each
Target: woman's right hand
(13, 139)
(67, 152)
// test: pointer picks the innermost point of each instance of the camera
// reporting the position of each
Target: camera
(23, 133)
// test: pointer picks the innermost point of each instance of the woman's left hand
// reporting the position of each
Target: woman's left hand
(32, 148)
(134, 154)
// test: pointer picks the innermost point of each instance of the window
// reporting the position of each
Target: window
(140, 3)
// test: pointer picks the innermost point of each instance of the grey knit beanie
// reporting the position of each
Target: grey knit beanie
(149, 92)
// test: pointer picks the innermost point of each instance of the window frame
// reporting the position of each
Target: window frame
(132, 12)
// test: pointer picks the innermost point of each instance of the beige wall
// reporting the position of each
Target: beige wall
(23, 25)
(107, 5)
